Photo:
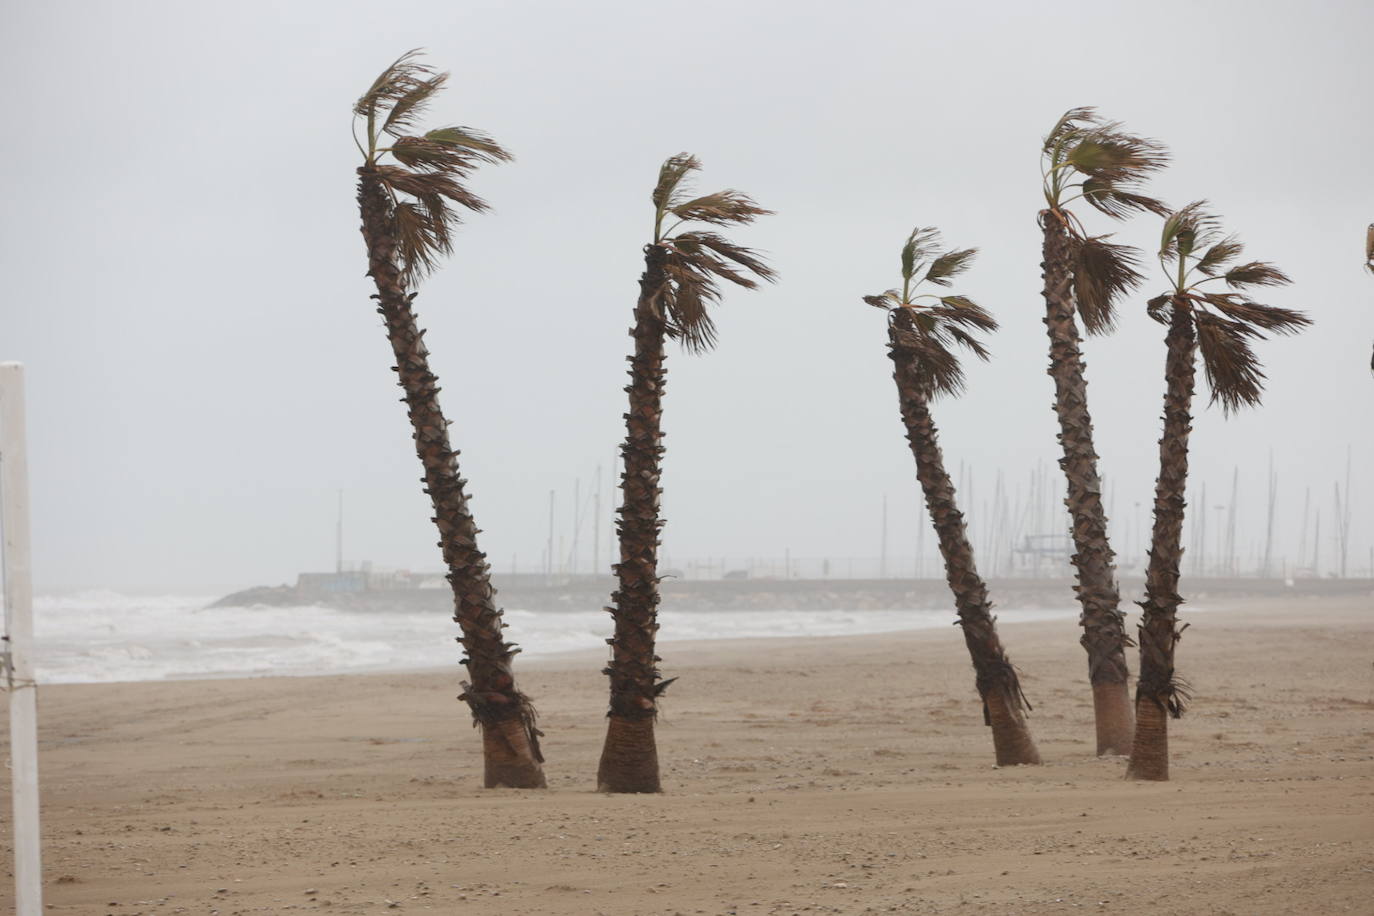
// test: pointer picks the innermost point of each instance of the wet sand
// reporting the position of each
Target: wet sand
(849, 775)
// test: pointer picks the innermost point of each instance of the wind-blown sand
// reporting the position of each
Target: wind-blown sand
(802, 776)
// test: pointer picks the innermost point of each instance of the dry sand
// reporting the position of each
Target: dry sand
(802, 776)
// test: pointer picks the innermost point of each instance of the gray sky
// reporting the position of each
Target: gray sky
(185, 278)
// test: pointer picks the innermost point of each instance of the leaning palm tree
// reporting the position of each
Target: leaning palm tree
(1086, 158)
(923, 331)
(682, 271)
(1221, 324)
(408, 220)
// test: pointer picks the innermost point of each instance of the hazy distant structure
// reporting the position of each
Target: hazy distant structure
(924, 330)
(1219, 325)
(680, 283)
(1085, 157)
(407, 222)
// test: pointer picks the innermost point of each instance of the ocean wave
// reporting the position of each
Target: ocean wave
(103, 636)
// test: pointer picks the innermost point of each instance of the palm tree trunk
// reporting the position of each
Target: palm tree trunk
(629, 758)
(1104, 625)
(1158, 694)
(510, 739)
(1004, 705)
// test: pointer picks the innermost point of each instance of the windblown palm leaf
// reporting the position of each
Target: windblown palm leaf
(932, 327)
(427, 184)
(695, 261)
(1194, 252)
(1084, 157)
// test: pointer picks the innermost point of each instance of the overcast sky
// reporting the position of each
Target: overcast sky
(184, 276)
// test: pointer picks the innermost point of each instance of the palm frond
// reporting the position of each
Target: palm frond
(686, 304)
(404, 76)
(961, 310)
(1268, 317)
(1160, 308)
(1117, 203)
(933, 367)
(1188, 229)
(1102, 273)
(431, 185)
(668, 190)
(890, 299)
(406, 109)
(967, 340)
(420, 240)
(1107, 153)
(1233, 371)
(722, 208)
(477, 145)
(420, 153)
(920, 245)
(745, 257)
(949, 265)
(1220, 254)
(1255, 273)
(1069, 122)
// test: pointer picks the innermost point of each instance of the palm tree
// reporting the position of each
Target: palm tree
(682, 271)
(1193, 253)
(408, 220)
(923, 330)
(1086, 158)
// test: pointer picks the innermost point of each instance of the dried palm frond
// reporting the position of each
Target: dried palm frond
(1102, 274)
(1233, 370)
(934, 367)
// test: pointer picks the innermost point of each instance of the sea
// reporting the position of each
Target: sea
(101, 636)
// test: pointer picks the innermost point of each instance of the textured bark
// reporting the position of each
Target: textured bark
(1150, 758)
(629, 759)
(1104, 625)
(1004, 705)
(510, 739)
(1158, 692)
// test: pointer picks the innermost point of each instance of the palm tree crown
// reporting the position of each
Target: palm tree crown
(930, 326)
(696, 260)
(1194, 252)
(1087, 158)
(427, 179)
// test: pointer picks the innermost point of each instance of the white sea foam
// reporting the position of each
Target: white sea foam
(102, 636)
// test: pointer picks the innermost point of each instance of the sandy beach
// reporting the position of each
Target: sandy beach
(838, 775)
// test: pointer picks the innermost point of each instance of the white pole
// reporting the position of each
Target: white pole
(14, 516)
